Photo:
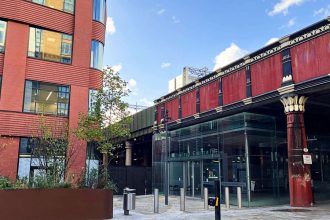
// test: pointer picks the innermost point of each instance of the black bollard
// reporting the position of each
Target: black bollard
(217, 200)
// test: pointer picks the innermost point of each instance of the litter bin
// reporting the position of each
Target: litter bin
(129, 200)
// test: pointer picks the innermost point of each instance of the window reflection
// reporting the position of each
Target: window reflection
(3, 27)
(97, 55)
(99, 10)
(63, 5)
(46, 98)
(50, 45)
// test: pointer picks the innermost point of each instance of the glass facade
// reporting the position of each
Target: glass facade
(29, 164)
(50, 45)
(3, 27)
(93, 160)
(97, 55)
(63, 5)
(46, 98)
(99, 10)
(92, 100)
(240, 150)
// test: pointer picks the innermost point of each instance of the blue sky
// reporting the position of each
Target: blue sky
(150, 41)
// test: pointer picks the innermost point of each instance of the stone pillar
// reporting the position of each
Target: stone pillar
(128, 158)
(299, 173)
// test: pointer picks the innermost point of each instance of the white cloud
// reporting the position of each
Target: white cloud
(323, 12)
(165, 65)
(175, 19)
(283, 6)
(228, 55)
(291, 22)
(161, 11)
(116, 68)
(110, 28)
(271, 40)
(132, 84)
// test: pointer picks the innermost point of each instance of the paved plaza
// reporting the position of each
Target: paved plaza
(195, 210)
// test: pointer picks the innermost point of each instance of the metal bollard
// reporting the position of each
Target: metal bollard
(206, 198)
(156, 201)
(239, 197)
(227, 197)
(182, 200)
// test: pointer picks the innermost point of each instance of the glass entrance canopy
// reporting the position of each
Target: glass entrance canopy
(242, 150)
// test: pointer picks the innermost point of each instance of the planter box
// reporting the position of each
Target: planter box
(56, 204)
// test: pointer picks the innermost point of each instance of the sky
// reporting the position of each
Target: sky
(150, 41)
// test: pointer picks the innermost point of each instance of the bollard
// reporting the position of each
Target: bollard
(206, 198)
(156, 201)
(182, 200)
(227, 197)
(239, 197)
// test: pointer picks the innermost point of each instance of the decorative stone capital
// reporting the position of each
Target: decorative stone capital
(294, 103)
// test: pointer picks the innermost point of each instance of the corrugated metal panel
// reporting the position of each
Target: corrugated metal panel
(143, 119)
(22, 124)
(98, 31)
(57, 73)
(2, 57)
(38, 15)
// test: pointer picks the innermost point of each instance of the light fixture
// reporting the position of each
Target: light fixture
(49, 96)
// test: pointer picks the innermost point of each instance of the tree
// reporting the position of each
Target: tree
(109, 119)
(52, 152)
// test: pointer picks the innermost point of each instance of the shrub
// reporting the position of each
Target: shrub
(5, 183)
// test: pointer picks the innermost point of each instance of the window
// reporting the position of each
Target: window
(63, 5)
(99, 10)
(32, 161)
(92, 100)
(46, 98)
(97, 55)
(3, 27)
(50, 45)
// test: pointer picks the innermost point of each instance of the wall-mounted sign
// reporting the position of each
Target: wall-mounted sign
(307, 159)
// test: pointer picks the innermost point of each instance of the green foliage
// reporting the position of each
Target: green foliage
(110, 119)
(5, 183)
(47, 182)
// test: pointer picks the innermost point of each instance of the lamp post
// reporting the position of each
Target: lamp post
(166, 120)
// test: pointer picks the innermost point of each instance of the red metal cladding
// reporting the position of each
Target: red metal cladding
(59, 73)
(8, 163)
(172, 107)
(188, 104)
(27, 125)
(98, 31)
(14, 67)
(159, 115)
(2, 57)
(234, 87)
(209, 96)
(311, 59)
(95, 79)
(266, 75)
(37, 15)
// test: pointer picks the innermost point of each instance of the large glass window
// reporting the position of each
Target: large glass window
(50, 45)
(63, 5)
(92, 100)
(97, 55)
(99, 10)
(3, 27)
(46, 98)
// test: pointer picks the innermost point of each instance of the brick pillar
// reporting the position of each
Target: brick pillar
(299, 173)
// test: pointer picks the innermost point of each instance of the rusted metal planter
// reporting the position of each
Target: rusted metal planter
(56, 204)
